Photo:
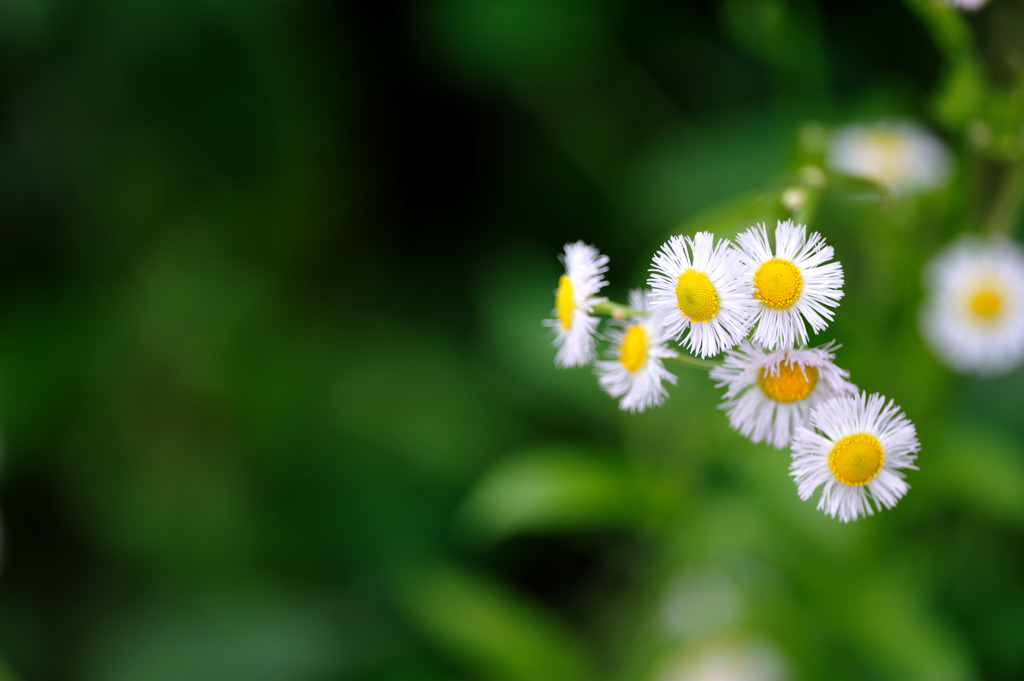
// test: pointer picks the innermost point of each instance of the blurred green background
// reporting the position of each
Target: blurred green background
(276, 402)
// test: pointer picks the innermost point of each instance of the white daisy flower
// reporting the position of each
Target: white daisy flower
(901, 156)
(635, 372)
(725, 660)
(795, 283)
(973, 315)
(697, 283)
(574, 300)
(769, 394)
(857, 447)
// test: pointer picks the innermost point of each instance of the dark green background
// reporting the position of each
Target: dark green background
(276, 402)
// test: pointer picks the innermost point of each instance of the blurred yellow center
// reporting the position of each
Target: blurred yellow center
(890, 152)
(777, 283)
(986, 304)
(856, 459)
(696, 297)
(791, 384)
(633, 348)
(564, 302)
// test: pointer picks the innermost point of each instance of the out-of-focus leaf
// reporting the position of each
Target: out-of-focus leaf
(735, 214)
(976, 468)
(439, 437)
(686, 171)
(777, 31)
(251, 638)
(947, 27)
(554, 488)
(26, 23)
(960, 94)
(6, 674)
(851, 186)
(993, 117)
(997, 130)
(512, 38)
(899, 636)
(495, 633)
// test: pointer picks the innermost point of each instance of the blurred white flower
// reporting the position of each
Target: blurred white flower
(901, 156)
(857, 448)
(700, 286)
(794, 283)
(575, 298)
(969, 5)
(725, 661)
(635, 371)
(973, 314)
(768, 395)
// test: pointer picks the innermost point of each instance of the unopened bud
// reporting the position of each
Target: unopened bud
(813, 176)
(793, 199)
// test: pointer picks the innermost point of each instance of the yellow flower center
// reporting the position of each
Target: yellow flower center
(986, 304)
(564, 301)
(633, 348)
(890, 152)
(777, 283)
(791, 384)
(856, 459)
(696, 297)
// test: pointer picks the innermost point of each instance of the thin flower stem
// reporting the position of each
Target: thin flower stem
(694, 362)
(616, 310)
(1004, 208)
(804, 214)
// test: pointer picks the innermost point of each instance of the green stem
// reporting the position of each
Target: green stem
(805, 213)
(694, 362)
(1004, 207)
(616, 310)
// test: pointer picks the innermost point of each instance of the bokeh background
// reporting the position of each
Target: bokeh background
(276, 401)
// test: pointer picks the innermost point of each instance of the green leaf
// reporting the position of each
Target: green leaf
(776, 31)
(852, 186)
(254, 635)
(553, 488)
(960, 95)
(513, 38)
(494, 632)
(6, 674)
(893, 628)
(729, 217)
(948, 29)
(978, 468)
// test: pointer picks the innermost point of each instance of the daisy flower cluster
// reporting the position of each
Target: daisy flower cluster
(752, 302)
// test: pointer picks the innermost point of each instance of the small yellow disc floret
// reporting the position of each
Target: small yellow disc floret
(633, 348)
(856, 459)
(565, 304)
(791, 384)
(986, 304)
(777, 283)
(696, 297)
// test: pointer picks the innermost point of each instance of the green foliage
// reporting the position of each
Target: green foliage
(275, 396)
(980, 469)
(496, 633)
(555, 488)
